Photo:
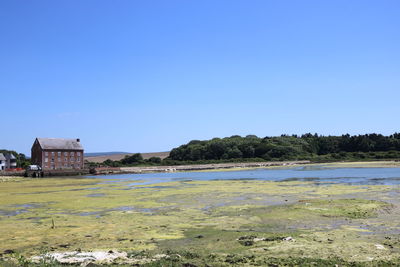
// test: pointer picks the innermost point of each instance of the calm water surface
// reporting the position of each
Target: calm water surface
(317, 174)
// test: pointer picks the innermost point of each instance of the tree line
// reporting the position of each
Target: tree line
(131, 160)
(290, 147)
(308, 146)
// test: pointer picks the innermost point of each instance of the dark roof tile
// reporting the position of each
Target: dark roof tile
(60, 143)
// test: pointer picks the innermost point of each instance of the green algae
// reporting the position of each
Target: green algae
(351, 208)
(364, 164)
(202, 217)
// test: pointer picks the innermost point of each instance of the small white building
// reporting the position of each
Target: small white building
(2, 162)
(11, 161)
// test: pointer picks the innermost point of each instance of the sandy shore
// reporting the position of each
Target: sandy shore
(212, 167)
(248, 165)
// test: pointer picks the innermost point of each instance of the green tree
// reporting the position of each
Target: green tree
(133, 159)
(155, 160)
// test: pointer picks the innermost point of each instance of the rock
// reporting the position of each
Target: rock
(248, 243)
(379, 246)
(162, 256)
(8, 251)
(64, 246)
(83, 258)
(289, 238)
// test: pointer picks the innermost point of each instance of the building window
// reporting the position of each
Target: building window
(65, 159)
(78, 159)
(71, 154)
(46, 160)
(65, 154)
(72, 159)
(79, 154)
(59, 159)
(52, 159)
(46, 154)
(59, 154)
(52, 154)
(65, 165)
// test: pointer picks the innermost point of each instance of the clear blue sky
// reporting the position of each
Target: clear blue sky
(144, 76)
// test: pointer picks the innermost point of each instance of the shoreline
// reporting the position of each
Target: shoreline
(216, 167)
(197, 167)
(242, 166)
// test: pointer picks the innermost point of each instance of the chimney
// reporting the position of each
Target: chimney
(78, 140)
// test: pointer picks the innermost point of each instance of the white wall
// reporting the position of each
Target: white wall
(3, 165)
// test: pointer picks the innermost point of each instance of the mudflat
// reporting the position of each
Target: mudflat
(125, 220)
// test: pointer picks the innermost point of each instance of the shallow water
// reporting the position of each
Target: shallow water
(316, 174)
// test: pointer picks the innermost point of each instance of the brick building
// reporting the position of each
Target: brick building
(57, 153)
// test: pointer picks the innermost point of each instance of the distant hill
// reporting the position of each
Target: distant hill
(102, 156)
(96, 154)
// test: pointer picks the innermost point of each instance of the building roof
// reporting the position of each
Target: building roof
(9, 156)
(60, 143)
(2, 157)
